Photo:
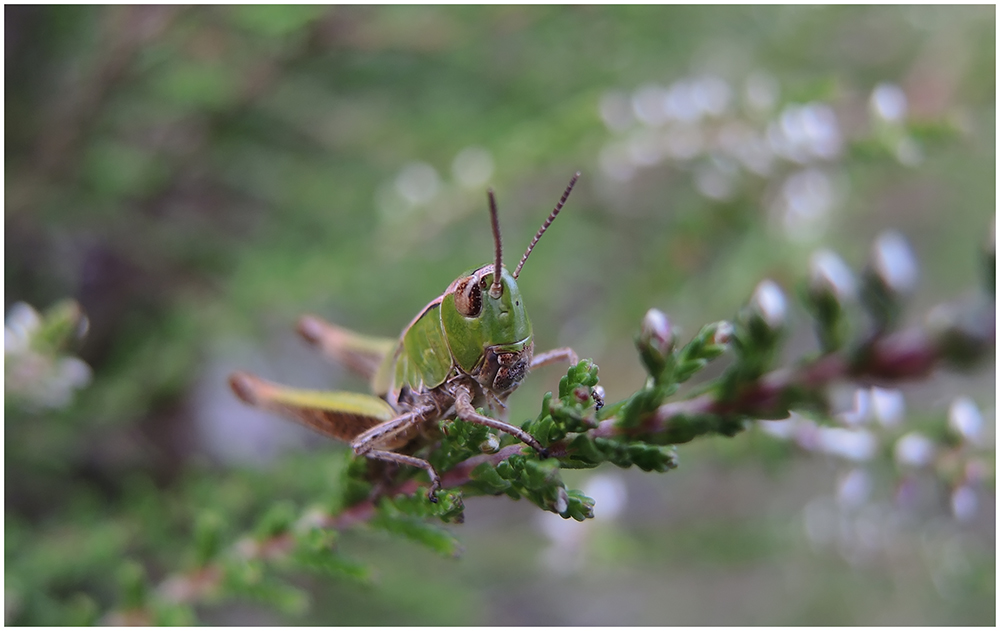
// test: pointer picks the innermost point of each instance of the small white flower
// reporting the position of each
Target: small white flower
(723, 333)
(889, 406)
(828, 270)
(964, 417)
(914, 450)
(964, 503)
(894, 262)
(849, 444)
(854, 488)
(888, 102)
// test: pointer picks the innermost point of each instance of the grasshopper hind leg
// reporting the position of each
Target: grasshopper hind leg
(413, 461)
(361, 353)
(377, 443)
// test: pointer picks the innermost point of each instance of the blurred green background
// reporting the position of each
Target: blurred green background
(199, 177)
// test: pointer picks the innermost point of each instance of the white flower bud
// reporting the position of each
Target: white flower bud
(22, 321)
(562, 501)
(965, 419)
(656, 331)
(855, 445)
(829, 272)
(888, 102)
(964, 503)
(723, 333)
(860, 414)
(914, 450)
(854, 488)
(894, 262)
(889, 406)
(769, 301)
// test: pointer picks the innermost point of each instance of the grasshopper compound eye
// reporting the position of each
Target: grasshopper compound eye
(469, 297)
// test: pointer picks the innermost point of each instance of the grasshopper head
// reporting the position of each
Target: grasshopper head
(484, 318)
(489, 336)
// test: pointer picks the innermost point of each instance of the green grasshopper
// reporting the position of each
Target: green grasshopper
(469, 347)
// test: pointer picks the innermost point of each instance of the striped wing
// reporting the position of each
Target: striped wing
(339, 415)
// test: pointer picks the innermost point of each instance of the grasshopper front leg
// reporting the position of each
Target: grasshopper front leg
(465, 411)
(377, 441)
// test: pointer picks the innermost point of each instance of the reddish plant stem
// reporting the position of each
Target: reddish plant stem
(911, 354)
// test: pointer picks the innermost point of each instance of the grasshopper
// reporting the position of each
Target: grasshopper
(469, 347)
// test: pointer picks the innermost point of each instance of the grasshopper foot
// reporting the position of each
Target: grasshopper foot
(432, 491)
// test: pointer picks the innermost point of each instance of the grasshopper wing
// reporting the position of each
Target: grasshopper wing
(339, 415)
(361, 353)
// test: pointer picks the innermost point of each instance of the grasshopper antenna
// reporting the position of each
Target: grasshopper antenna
(496, 288)
(548, 222)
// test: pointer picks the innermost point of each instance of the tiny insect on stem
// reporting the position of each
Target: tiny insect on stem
(548, 222)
